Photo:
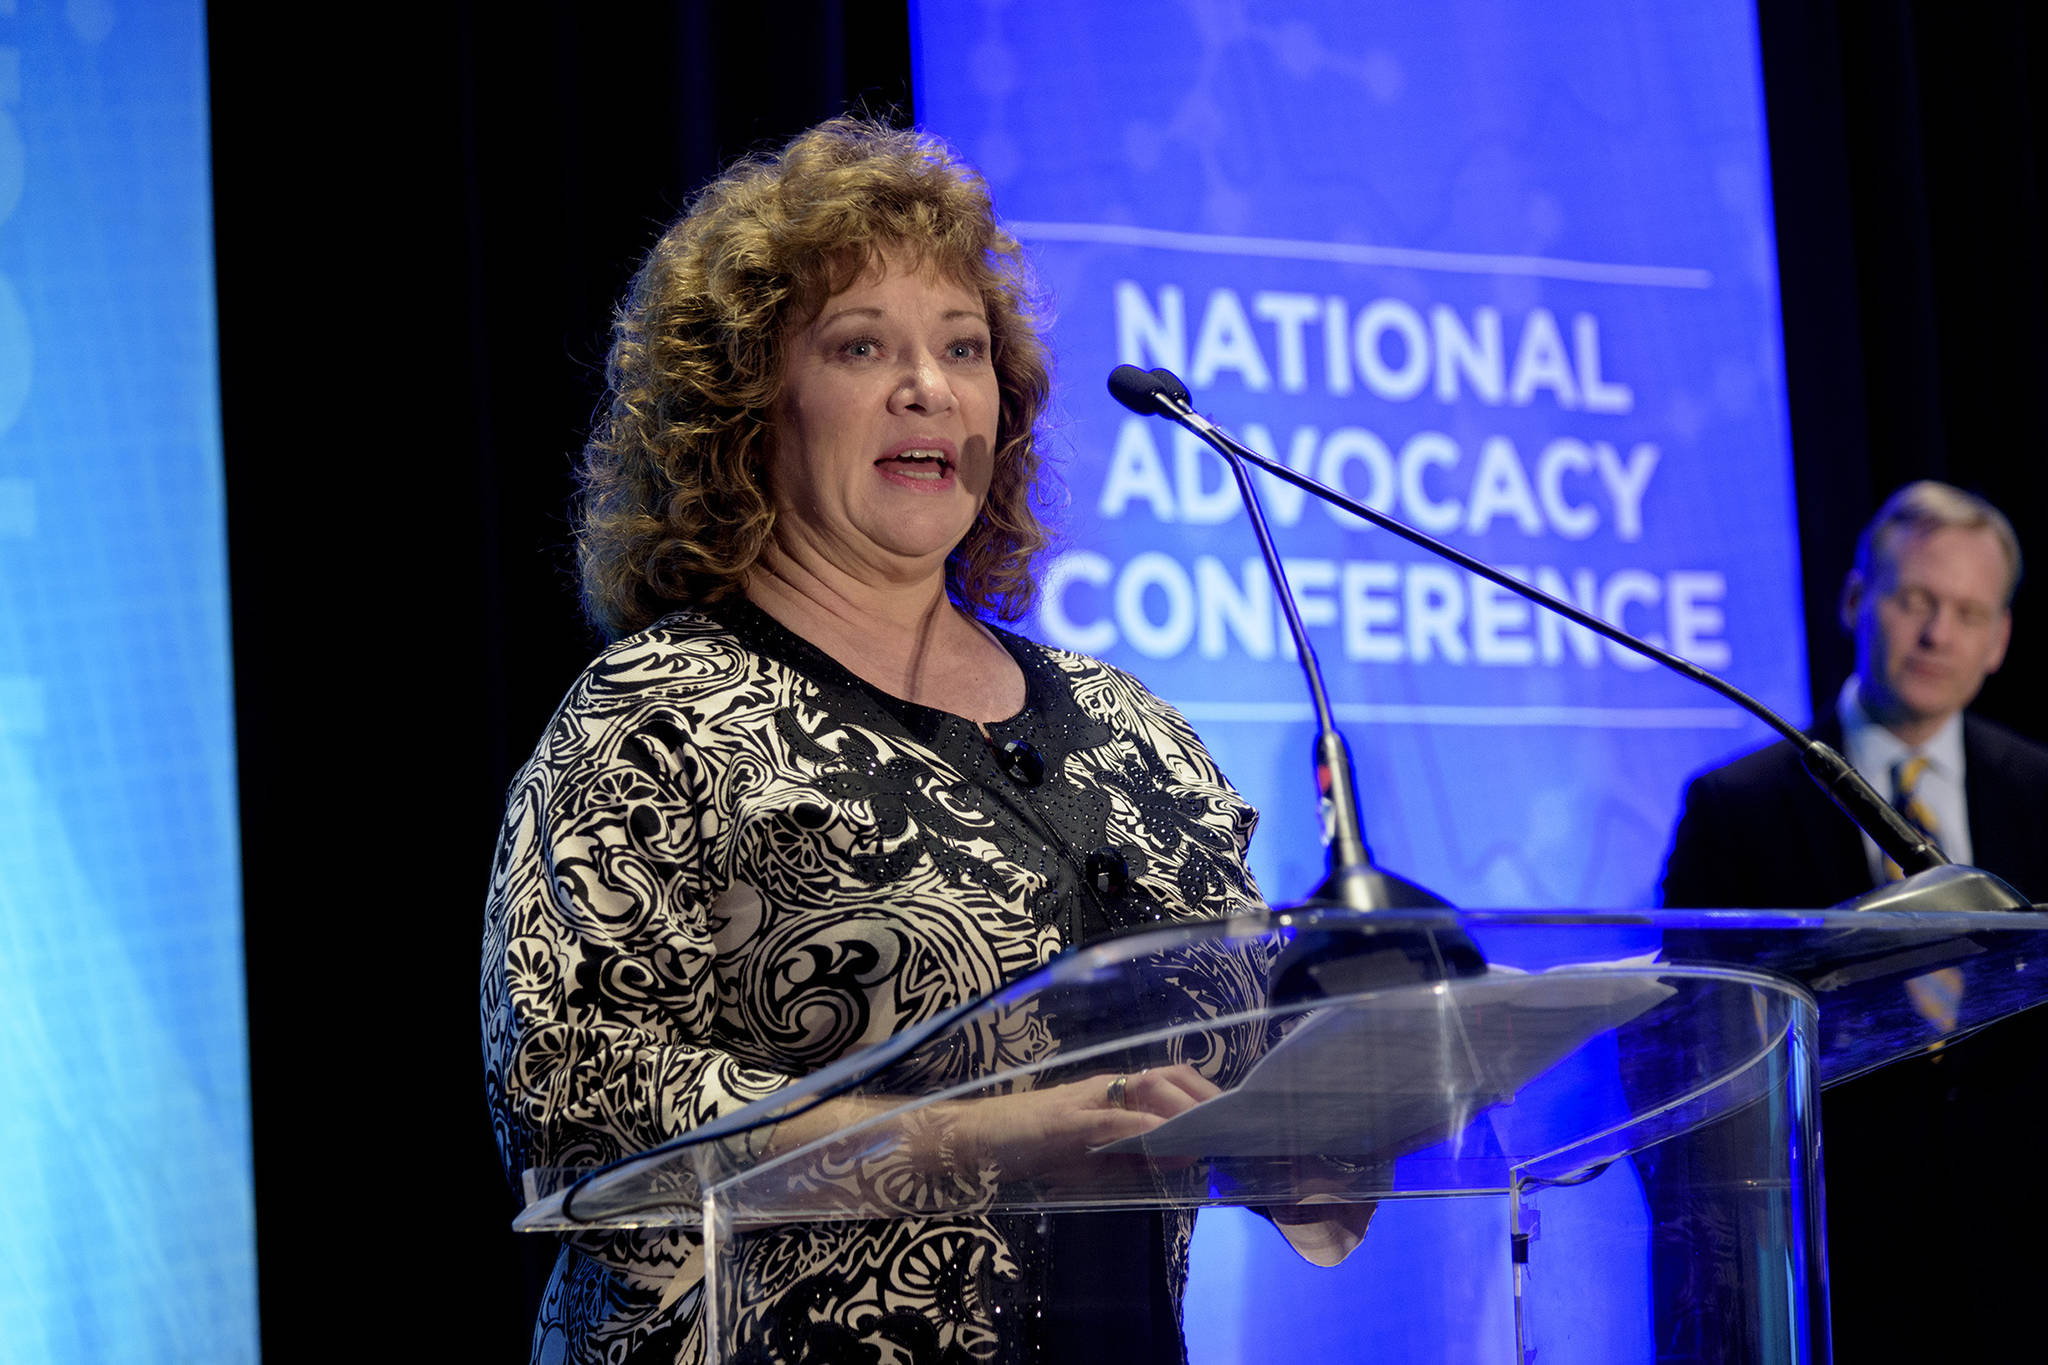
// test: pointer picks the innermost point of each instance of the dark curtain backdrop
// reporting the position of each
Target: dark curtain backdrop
(1907, 147)
(422, 225)
(424, 219)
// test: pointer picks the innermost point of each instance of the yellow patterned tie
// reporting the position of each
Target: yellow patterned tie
(1906, 775)
(1938, 996)
(1906, 800)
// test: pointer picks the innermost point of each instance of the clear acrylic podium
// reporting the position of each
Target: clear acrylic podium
(1399, 1056)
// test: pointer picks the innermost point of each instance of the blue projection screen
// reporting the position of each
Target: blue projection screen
(1503, 270)
(126, 1223)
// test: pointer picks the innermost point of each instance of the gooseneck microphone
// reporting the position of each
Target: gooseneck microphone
(1158, 393)
(1351, 877)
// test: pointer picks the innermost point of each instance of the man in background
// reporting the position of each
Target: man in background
(1929, 602)
(1935, 1225)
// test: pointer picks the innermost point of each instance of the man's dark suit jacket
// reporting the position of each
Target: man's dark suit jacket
(1937, 1220)
(1759, 834)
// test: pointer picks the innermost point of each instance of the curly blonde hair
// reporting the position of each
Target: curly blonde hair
(675, 507)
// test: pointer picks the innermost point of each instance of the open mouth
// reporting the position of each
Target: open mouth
(928, 465)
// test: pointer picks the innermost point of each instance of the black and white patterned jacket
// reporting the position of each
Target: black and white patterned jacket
(729, 863)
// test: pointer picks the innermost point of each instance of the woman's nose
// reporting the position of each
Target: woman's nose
(924, 386)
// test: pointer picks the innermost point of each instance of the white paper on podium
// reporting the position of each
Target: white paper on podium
(1372, 1079)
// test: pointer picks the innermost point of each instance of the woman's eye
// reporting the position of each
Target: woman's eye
(970, 349)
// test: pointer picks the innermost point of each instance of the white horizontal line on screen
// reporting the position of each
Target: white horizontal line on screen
(1358, 253)
(1397, 713)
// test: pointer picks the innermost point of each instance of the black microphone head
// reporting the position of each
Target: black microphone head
(1170, 385)
(1136, 389)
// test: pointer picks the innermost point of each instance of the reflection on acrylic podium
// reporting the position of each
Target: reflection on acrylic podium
(1590, 1136)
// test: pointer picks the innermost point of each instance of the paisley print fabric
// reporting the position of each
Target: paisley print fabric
(729, 863)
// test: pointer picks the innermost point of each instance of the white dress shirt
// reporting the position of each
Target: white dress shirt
(1876, 751)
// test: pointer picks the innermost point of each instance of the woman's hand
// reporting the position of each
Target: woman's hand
(1036, 1133)
(952, 1156)
(1322, 1228)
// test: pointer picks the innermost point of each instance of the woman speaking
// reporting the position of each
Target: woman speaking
(813, 795)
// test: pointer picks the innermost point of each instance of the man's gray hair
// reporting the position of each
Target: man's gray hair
(1927, 506)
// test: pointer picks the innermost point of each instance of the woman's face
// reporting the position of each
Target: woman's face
(885, 431)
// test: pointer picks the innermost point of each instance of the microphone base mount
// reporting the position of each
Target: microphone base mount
(1333, 951)
(1950, 886)
(1361, 886)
